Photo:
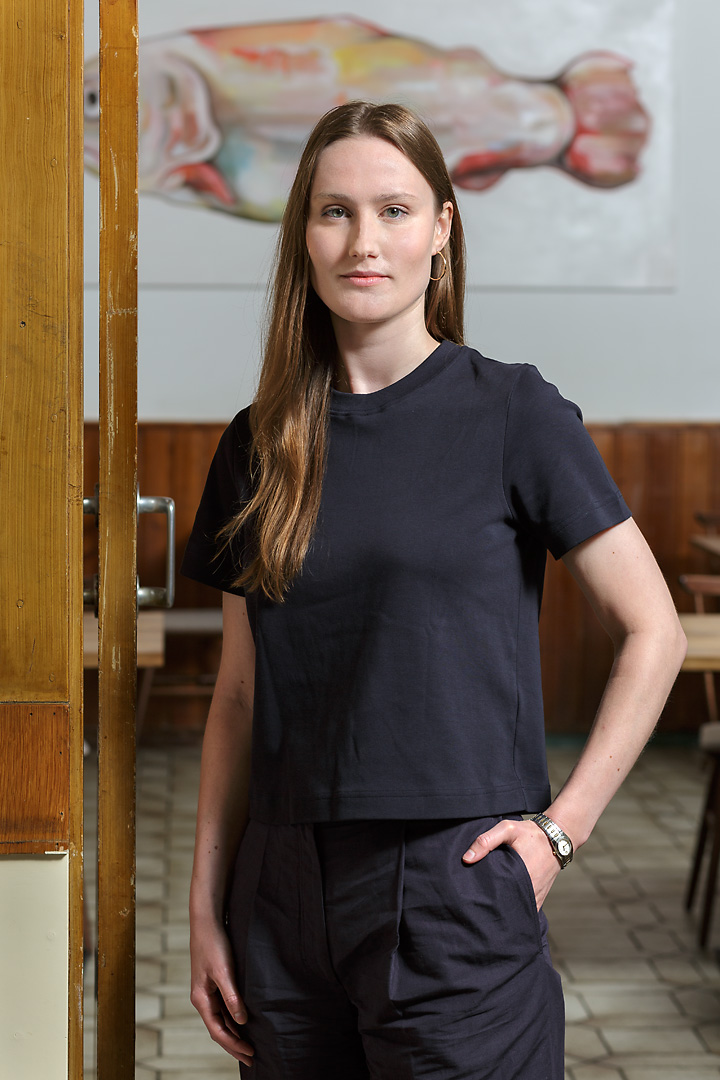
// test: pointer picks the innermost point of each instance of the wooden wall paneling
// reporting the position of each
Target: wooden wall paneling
(603, 436)
(154, 478)
(663, 470)
(560, 624)
(660, 511)
(694, 492)
(715, 472)
(190, 450)
(193, 451)
(630, 473)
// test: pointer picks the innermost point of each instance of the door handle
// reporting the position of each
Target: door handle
(148, 596)
(91, 592)
(155, 596)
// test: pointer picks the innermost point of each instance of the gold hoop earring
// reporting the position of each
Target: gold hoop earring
(444, 269)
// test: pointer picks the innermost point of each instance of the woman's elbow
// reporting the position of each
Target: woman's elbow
(679, 644)
(661, 641)
(670, 643)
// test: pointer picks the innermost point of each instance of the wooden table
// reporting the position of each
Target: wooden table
(154, 627)
(703, 634)
(150, 639)
(150, 652)
(708, 542)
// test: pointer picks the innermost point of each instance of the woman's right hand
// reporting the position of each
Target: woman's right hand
(214, 992)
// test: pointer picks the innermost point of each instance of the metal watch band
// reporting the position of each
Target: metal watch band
(560, 841)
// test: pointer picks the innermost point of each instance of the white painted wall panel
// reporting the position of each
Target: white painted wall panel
(33, 967)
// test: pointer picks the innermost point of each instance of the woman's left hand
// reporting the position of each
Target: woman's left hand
(531, 844)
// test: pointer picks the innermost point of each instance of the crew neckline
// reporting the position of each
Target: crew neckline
(439, 358)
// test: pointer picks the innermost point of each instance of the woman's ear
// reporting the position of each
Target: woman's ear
(443, 225)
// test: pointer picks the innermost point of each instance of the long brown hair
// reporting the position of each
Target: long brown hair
(289, 416)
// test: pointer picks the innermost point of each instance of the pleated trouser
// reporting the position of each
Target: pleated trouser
(367, 950)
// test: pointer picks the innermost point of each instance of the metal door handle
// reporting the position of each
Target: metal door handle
(91, 593)
(154, 596)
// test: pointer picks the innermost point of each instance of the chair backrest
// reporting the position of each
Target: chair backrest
(700, 586)
(709, 519)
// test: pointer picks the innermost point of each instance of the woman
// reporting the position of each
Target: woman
(385, 508)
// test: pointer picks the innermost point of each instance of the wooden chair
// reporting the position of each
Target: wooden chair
(709, 519)
(701, 586)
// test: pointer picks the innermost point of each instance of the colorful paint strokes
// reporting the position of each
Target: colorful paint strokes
(224, 112)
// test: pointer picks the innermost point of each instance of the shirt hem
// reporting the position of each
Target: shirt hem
(588, 522)
(373, 807)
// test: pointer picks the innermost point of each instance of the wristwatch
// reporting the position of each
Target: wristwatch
(559, 840)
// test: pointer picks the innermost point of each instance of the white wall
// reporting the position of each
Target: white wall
(625, 355)
(34, 945)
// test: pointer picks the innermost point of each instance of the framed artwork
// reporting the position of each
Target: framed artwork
(556, 121)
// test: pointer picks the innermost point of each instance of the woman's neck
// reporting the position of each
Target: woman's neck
(372, 358)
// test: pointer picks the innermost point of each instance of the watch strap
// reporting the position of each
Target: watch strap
(559, 840)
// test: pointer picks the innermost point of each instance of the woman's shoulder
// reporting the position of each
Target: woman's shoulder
(517, 391)
(236, 439)
(239, 426)
(508, 376)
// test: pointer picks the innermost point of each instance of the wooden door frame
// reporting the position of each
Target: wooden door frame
(117, 519)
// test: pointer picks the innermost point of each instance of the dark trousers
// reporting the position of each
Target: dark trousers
(367, 950)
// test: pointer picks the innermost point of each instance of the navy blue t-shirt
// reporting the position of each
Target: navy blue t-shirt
(400, 677)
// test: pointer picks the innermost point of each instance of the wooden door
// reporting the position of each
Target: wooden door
(41, 587)
(41, 650)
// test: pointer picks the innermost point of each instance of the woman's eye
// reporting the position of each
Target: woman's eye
(395, 212)
(334, 212)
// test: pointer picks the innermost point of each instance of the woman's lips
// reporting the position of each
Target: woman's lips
(364, 279)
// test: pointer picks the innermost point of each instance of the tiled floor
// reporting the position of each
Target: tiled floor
(642, 1002)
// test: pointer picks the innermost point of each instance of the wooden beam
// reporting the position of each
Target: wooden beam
(117, 517)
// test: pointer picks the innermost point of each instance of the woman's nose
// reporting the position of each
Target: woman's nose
(363, 238)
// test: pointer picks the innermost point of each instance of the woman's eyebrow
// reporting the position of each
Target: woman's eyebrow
(392, 196)
(397, 196)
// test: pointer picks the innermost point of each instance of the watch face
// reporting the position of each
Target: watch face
(564, 847)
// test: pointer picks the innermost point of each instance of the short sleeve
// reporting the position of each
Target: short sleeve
(556, 483)
(226, 489)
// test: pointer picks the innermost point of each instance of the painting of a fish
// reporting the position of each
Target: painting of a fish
(224, 111)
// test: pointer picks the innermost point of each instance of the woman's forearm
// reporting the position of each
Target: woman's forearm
(222, 803)
(645, 667)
